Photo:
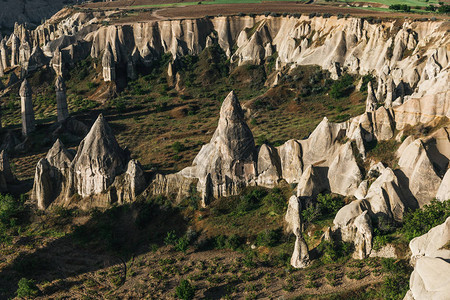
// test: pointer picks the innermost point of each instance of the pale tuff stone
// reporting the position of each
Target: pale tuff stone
(61, 99)
(431, 243)
(431, 264)
(290, 154)
(229, 158)
(98, 160)
(28, 122)
(443, 192)
(108, 63)
(130, 184)
(300, 256)
(51, 177)
(363, 238)
(268, 166)
(423, 181)
(313, 182)
(344, 174)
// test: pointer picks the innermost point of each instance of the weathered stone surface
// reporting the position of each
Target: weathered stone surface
(109, 65)
(130, 184)
(98, 160)
(268, 166)
(28, 122)
(371, 100)
(6, 175)
(423, 181)
(363, 238)
(313, 182)
(385, 196)
(431, 243)
(61, 99)
(300, 256)
(290, 154)
(52, 175)
(344, 174)
(431, 264)
(229, 158)
(443, 192)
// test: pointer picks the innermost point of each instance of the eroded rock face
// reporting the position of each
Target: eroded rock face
(294, 224)
(52, 175)
(268, 166)
(28, 122)
(229, 158)
(100, 172)
(98, 160)
(443, 192)
(7, 177)
(430, 262)
(344, 174)
(423, 181)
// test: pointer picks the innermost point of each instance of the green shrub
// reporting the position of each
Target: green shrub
(10, 210)
(26, 288)
(394, 287)
(182, 244)
(422, 220)
(171, 238)
(268, 237)
(177, 147)
(365, 81)
(185, 290)
(334, 251)
(329, 204)
(342, 87)
(249, 201)
(276, 201)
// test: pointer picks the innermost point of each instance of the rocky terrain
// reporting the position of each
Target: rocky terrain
(327, 193)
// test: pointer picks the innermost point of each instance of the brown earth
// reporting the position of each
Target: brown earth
(198, 11)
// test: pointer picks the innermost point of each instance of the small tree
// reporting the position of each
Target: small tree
(185, 291)
(26, 288)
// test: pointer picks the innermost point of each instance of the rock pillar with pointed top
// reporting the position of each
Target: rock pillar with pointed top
(294, 224)
(61, 99)
(371, 101)
(26, 102)
(4, 54)
(15, 44)
(109, 68)
(57, 63)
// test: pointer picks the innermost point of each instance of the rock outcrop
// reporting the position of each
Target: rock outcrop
(7, 177)
(100, 172)
(26, 102)
(430, 259)
(61, 99)
(294, 224)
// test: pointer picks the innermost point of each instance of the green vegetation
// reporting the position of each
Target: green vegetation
(26, 289)
(325, 206)
(342, 87)
(420, 221)
(185, 290)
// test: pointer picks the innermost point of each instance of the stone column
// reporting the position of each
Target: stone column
(15, 44)
(109, 70)
(61, 99)
(26, 101)
(4, 54)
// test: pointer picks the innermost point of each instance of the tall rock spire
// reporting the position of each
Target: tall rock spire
(98, 160)
(229, 158)
(371, 101)
(15, 44)
(4, 54)
(28, 122)
(61, 99)
(109, 69)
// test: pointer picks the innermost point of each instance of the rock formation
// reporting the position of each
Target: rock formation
(108, 63)
(294, 224)
(61, 100)
(430, 259)
(100, 172)
(7, 178)
(98, 160)
(26, 102)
